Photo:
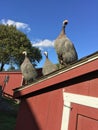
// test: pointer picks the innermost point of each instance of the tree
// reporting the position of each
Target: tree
(12, 43)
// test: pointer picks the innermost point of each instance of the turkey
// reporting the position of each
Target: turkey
(48, 66)
(65, 49)
(28, 71)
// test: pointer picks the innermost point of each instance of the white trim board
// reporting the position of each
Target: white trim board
(78, 99)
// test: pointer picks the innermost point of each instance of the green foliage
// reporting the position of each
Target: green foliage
(12, 43)
(8, 116)
(7, 121)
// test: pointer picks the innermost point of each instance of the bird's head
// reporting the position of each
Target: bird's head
(65, 22)
(25, 53)
(46, 53)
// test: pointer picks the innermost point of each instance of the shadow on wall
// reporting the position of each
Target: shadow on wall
(41, 111)
(26, 119)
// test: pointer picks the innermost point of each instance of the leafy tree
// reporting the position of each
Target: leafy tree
(12, 43)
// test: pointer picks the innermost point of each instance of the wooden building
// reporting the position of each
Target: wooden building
(10, 81)
(64, 100)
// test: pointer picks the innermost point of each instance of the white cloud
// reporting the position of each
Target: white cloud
(43, 43)
(19, 25)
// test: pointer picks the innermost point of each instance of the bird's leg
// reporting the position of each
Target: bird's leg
(65, 65)
(26, 82)
(61, 64)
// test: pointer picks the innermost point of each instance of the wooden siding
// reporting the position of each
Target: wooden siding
(15, 80)
(44, 107)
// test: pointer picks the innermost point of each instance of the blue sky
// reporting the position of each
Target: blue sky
(41, 21)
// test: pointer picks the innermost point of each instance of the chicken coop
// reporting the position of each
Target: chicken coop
(63, 100)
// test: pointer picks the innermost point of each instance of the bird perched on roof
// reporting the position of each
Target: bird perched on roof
(48, 66)
(65, 49)
(28, 71)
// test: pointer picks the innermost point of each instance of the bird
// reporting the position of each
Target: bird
(28, 71)
(48, 66)
(65, 49)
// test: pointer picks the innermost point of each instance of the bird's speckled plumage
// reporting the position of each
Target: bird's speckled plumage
(65, 48)
(28, 71)
(48, 66)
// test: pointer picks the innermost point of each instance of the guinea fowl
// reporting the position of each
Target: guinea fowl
(48, 67)
(65, 49)
(28, 71)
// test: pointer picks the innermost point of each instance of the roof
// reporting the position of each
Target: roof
(64, 74)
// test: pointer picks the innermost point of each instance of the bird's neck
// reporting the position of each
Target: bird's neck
(26, 57)
(62, 32)
(46, 56)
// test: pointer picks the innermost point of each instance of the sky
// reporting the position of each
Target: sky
(41, 21)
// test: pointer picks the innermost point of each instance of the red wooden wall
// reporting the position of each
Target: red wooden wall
(15, 80)
(42, 102)
(35, 114)
(84, 117)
